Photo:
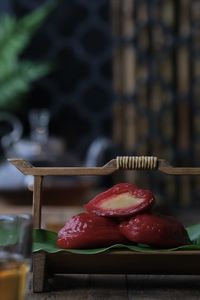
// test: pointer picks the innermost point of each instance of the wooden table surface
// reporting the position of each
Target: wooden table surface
(121, 287)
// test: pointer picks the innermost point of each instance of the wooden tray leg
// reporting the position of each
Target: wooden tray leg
(39, 272)
(37, 195)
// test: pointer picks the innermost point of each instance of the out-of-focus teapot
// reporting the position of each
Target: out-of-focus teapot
(34, 148)
(40, 149)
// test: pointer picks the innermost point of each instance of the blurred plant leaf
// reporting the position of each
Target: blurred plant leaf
(18, 82)
(16, 74)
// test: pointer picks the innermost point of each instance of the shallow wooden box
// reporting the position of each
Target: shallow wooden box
(116, 262)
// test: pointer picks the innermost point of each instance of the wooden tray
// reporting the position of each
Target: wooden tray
(115, 262)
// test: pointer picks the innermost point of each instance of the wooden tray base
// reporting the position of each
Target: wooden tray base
(116, 262)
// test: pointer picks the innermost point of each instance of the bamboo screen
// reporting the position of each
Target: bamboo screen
(156, 73)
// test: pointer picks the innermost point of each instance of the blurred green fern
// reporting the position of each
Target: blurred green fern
(16, 74)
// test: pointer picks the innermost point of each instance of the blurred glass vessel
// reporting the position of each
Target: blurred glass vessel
(15, 255)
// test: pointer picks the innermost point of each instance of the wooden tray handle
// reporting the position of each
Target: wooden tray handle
(120, 163)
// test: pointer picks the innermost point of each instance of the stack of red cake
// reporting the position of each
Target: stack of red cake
(121, 214)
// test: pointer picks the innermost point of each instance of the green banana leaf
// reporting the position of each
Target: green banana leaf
(45, 240)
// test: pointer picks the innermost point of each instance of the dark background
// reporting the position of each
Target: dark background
(78, 39)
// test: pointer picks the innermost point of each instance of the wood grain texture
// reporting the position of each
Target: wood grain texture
(121, 287)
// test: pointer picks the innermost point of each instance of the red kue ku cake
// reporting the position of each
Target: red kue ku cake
(155, 230)
(123, 199)
(89, 231)
(122, 214)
